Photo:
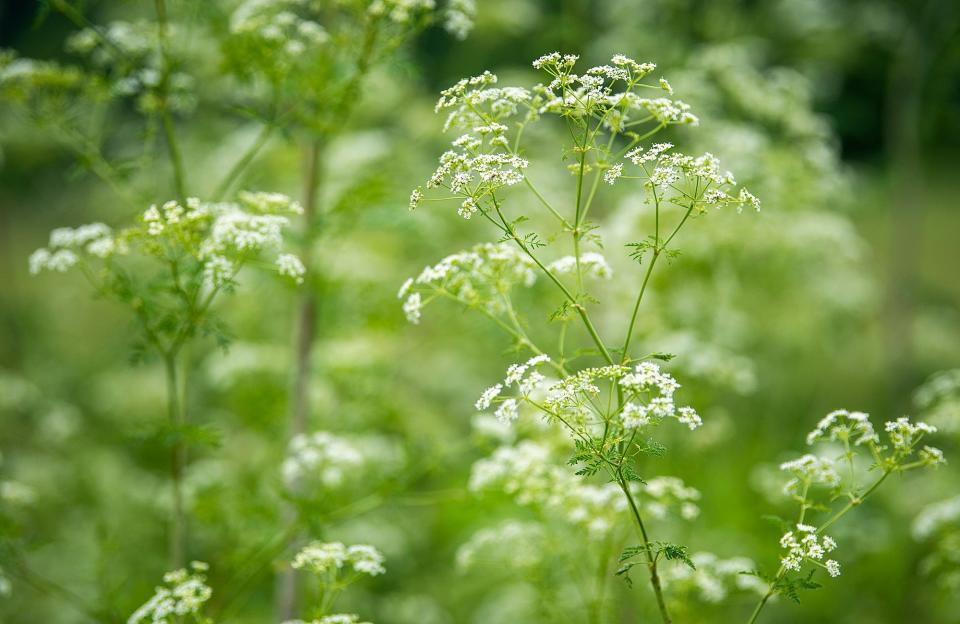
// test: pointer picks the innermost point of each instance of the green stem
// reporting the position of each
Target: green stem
(648, 550)
(636, 307)
(176, 160)
(853, 503)
(850, 505)
(577, 218)
(573, 301)
(657, 252)
(243, 162)
(177, 543)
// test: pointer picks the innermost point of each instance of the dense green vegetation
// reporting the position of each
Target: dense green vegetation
(219, 369)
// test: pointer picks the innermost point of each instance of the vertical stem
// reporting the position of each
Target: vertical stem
(176, 159)
(759, 607)
(601, 587)
(307, 309)
(576, 219)
(177, 534)
(340, 109)
(636, 307)
(287, 589)
(651, 560)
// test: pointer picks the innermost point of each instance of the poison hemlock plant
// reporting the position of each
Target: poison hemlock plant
(609, 400)
(336, 567)
(180, 599)
(818, 481)
(169, 270)
(609, 410)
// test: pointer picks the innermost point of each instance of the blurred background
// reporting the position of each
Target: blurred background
(844, 117)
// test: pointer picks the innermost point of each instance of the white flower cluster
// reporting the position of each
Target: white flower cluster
(594, 92)
(936, 517)
(95, 239)
(611, 175)
(458, 17)
(905, 435)
(570, 393)
(336, 618)
(512, 542)
(474, 102)
(321, 558)
(844, 425)
(939, 400)
(592, 264)
(401, 11)
(277, 27)
(650, 384)
(480, 164)
(185, 593)
(125, 55)
(555, 63)
(709, 186)
(714, 578)
(526, 473)
(525, 377)
(291, 266)
(320, 457)
(21, 79)
(479, 277)
(220, 236)
(806, 544)
(665, 493)
(808, 470)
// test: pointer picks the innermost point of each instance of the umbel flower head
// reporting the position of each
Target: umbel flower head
(183, 593)
(218, 237)
(333, 557)
(487, 158)
(194, 249)
(807, 542)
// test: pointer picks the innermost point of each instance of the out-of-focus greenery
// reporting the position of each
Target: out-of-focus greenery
(843, 117)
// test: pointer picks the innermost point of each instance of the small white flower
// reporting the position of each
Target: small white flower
(468, 208)
(412, 307)
(405, 288)
(610, 175)
(507, 412)
(487, 397)
(416, 196)
(366, 559)
(291, 266)
(932, 456)
(634, 416)
(689, 417)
